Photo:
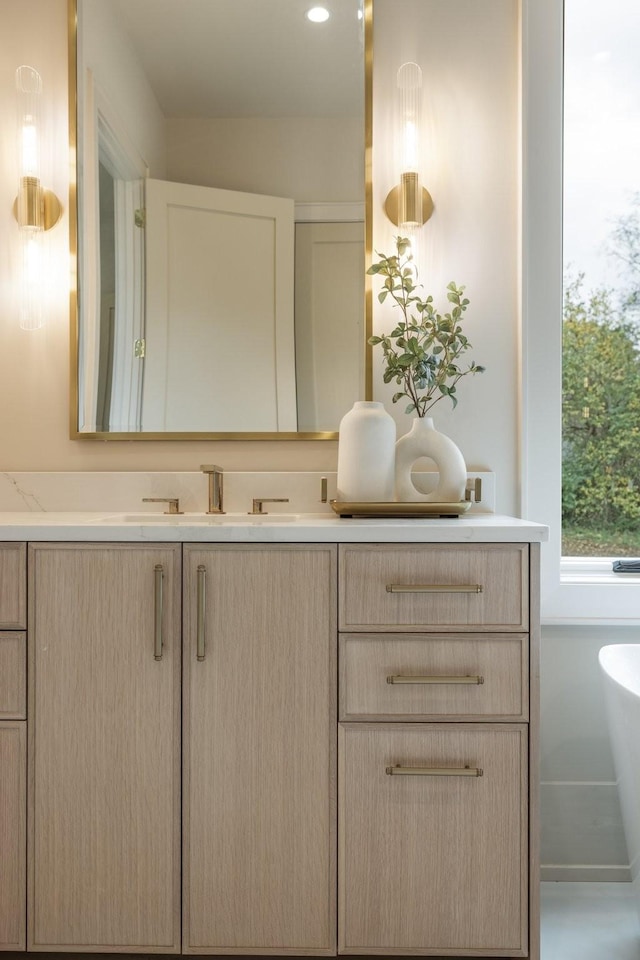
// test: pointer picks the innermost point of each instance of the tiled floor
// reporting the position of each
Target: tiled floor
(589, 921)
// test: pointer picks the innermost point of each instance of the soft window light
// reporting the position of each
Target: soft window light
(35, 209)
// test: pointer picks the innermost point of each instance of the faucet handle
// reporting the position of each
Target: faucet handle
(174, 503)
(258, 501)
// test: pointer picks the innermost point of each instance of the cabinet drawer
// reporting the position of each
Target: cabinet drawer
(433, 863)
(13, 586)
(448, 588)
(430, 677)
(13, 676)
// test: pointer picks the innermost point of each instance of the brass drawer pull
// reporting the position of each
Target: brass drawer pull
(433, 771)
(200, 623)
(399, 678)
(158, 642)
(434, 588)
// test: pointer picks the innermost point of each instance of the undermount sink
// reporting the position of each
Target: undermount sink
(196, 518)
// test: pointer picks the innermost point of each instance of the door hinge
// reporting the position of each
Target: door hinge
(140, 217)
(139, 348)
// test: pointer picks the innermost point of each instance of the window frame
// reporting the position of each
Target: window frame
(573, 590)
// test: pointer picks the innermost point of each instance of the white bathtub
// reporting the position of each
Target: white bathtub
(620, 667)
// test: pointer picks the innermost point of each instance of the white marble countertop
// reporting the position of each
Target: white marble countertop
(236, 528)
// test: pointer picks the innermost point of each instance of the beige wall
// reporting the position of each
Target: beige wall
(473, 239)
(469, 55)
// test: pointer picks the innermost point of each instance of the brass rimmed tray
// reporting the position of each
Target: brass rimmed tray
(419, 510)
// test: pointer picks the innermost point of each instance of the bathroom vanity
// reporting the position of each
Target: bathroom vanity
(299, 738)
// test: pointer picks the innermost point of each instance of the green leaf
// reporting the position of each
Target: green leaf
(405, 360)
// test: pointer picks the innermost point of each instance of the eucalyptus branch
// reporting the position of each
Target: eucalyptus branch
(421, 352)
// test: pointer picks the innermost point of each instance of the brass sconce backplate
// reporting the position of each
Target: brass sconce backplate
(392, 203)
(51, 208)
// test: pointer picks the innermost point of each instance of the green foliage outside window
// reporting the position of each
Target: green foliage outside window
(601, 408)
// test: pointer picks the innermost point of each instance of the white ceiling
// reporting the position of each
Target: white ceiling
(248, 58)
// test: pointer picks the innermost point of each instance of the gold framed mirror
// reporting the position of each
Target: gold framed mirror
(221, 288)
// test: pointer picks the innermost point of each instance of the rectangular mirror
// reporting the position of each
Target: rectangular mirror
(220, 218)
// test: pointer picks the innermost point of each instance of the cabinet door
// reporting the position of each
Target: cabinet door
(104, 728)
(433, 864)
(259, 736)
(13, 833)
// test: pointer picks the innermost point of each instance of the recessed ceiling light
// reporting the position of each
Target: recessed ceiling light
(318, 14)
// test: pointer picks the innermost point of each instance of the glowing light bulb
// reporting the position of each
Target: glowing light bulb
(318, 14)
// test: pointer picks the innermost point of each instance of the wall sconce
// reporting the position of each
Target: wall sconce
(409, 205)
(35, 208)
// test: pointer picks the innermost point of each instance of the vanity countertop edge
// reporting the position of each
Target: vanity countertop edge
(86, 527)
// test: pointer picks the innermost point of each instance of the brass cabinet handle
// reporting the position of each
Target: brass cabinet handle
(433, 771)
(158, 643)
(200, 622)
(434, 588)
(399, 678)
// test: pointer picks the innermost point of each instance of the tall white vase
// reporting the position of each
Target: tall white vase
(366, 454)
(423, 440)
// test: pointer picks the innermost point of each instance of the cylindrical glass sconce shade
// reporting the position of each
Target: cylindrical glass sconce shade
(410, 99)
(410, 93)
(32, 282)
(30, 200)
(29, 205)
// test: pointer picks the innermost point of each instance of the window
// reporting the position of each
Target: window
(585, 590)
(601, 308)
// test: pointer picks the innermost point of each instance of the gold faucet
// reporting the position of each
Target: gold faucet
(215, 487)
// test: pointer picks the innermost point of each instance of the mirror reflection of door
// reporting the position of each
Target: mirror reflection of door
(219, 338)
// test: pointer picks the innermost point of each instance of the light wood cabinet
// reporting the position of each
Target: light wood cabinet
(259, 749)
(104, 762)
(438, 820)
(195, 786)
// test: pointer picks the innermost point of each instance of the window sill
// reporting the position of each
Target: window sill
(589, 570)
(587, 591)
